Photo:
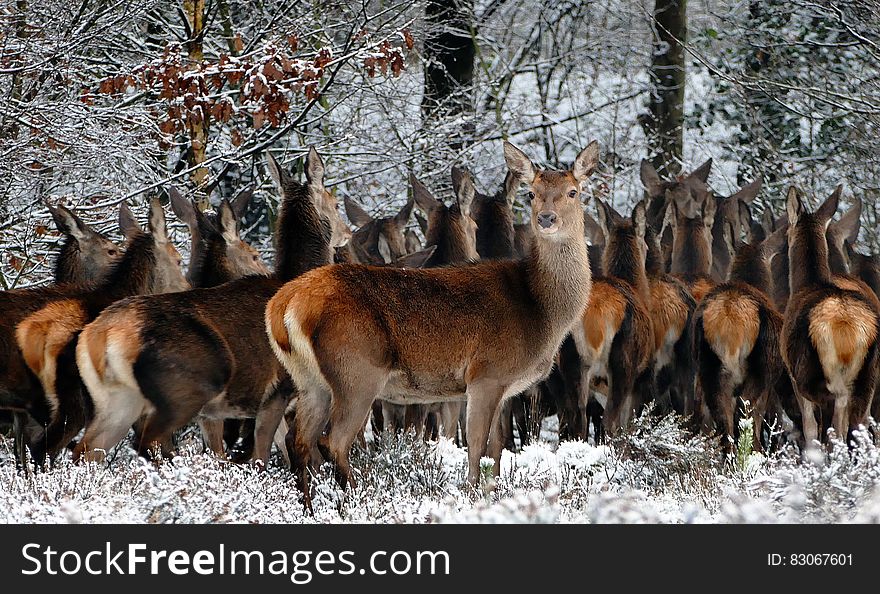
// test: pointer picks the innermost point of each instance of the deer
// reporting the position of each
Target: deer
(46, 337)
(85, 257)
(866, 268)
(196, 220)
(657, 192)
(203, 353)
(348, 333)
(845, 229)
(219, 255)
(672, 308)
(829, 331)
(615, 337)
(452, 232)
(378, 240)
(728, 209)
(691, 256)
(736, 336)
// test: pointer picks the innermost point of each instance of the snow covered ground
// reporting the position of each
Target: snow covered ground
(655, 473)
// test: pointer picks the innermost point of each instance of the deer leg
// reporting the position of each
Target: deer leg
(312, 410)
(268, 418)
(449, 413)
(808, 418)
(212, 434)
(109, 424)
(483, 401)
(840, 418)
(348, 413)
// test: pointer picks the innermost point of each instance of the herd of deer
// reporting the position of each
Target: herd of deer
(687, 302)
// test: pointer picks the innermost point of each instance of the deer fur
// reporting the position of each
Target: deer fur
(728, 209)
(829, 334)
(204, 352)
(348, 333)
(47, 336)
(84, 258)
(691, 258)
(737, 339)
(615, 337)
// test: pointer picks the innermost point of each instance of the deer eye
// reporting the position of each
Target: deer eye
(530, 195)
(573, 194)
(256, 257)
(112, 252)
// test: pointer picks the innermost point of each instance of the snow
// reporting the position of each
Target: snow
(653, 474)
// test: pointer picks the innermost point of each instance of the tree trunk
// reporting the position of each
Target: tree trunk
(665, 124)
(198, 127)
(449, 60)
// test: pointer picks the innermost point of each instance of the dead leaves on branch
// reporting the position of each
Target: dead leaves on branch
(256, 89)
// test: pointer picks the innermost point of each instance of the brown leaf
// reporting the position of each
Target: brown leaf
(408, 39)
(237, 43)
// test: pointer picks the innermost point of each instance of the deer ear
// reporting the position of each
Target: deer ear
(127, 223)
(416, 259)
(586, 162)
(315, 170)
(640, 218)
(748, 192)
(462, 180)
(847, 228)
(519, 164)
(422, 195)
(775, 242)
(593, 229)
(745, 216)
(701, 173)
(156, 223)
(402, 217)
(510, 185)
(708, 211)
(651, 179)
(794, 207)
(829, 208)
(728, 233)
(606, 217)
(241, 202)
(278, 173)
(422, 222)
(357, 215)
(228, 222)
(181, 207)
(67, 222)
(465, 191)
(670, 217)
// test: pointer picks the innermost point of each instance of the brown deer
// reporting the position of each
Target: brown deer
(204, 352)
(451, 231)
(378, 240)
(616, 337)
(47, 336)
(829, 333)
(727, 209)
(348, 333)
(85, 257)
(691, 257)
(671, 311)
(195, 219)
(657, 188)
(736, 338)
(867, 269)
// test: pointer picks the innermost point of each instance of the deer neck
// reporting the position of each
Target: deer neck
(133, 274)
(303, 235)
(750, 267)
(559, 278)
(808, 261)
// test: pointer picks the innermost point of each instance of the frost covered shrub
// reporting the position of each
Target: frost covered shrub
(825, 486)
(657, 453)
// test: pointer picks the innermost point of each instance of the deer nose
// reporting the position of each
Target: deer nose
(546, 219)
